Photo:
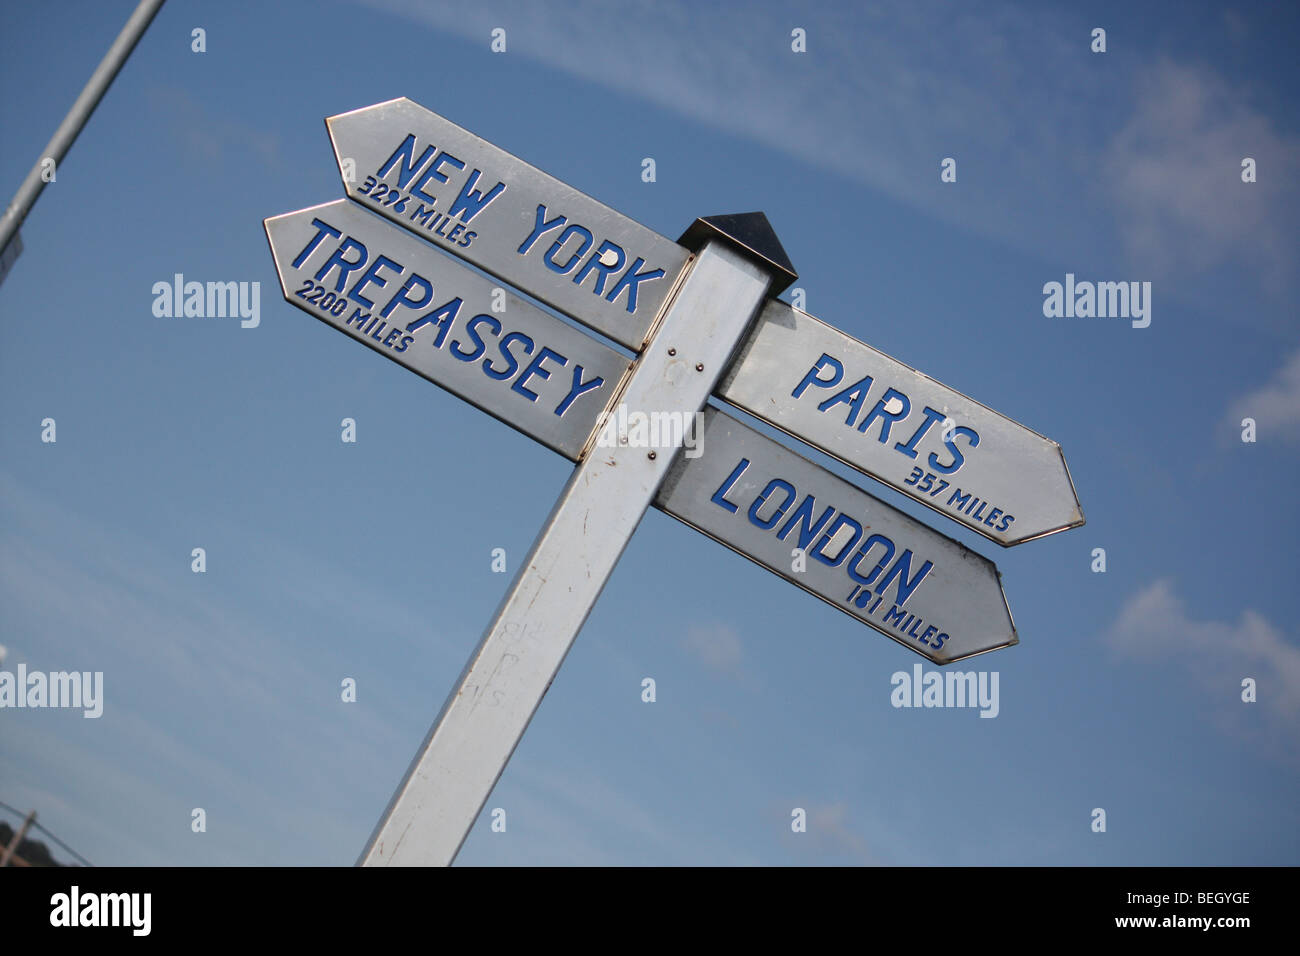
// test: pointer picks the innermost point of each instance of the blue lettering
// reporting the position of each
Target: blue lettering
(813, 378)
(719, 497)
(472, 202)
(491, 370)
(322, 229)
(853, 396)
(863, 552)
(830, 533)
(894, 616)
(472, 329)
(578, 388)
(403, 299)
(435, 172)
(804, 514)
(372, 276)
(444, 315)
(888, 418)
(958, 459)
(345, 267)
(768, 523)
(540, 228)
(595, 264)
(631, 280)
(405, 152)
(573, 230)
(535, 368)
(900, 571)
(931, 416)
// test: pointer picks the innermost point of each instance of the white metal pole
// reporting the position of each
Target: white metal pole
(522, 649)
(72, 124)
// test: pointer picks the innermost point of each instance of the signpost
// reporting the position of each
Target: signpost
(433, 316)
(699, 314)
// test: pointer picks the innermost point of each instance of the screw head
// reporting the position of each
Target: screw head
(672, 351)
(699, 366)
(651, 456)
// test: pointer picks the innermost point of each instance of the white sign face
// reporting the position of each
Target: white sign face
(445, 322)
(510, 219)
(924, 590)
(902, 427)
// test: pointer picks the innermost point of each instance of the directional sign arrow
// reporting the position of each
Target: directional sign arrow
(445, 322)
(510, 219)
(911, 583)
(902, 427)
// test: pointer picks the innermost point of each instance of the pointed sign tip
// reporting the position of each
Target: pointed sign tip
(753, 235)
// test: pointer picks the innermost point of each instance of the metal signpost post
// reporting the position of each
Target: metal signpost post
(699, 313)
(30, 190)
(565, 572)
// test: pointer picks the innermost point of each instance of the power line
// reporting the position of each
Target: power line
(20, 815)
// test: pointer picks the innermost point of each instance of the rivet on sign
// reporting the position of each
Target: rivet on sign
(672, 351)
(651, 456)
(699, 366)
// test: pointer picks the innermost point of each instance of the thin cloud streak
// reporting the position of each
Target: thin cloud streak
(865, 106)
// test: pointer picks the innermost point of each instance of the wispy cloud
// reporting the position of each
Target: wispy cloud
(1174, 174)
(1218, 655)
(717, 647)
(1066, 153)
(207, 135)
(830, 834)
(1275, 405)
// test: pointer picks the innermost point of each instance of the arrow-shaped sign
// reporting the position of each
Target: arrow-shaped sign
(902, 427)
(872, 561)
(445, 322)
(492, 209)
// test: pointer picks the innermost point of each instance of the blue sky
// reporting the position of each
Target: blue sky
(372, 560)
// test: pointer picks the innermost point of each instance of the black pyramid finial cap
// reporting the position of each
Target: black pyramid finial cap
(750, 233)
